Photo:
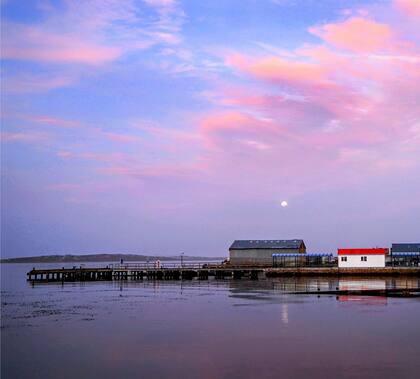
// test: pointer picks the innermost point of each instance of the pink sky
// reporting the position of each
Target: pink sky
(148, 127)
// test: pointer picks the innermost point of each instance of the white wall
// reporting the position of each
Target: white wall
(356, 261)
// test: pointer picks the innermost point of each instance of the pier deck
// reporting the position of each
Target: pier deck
(143, 271)
(70, 274)
(201, 271)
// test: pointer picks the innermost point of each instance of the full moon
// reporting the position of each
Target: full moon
(284, 204)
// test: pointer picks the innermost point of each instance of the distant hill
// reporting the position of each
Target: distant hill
(103, 258)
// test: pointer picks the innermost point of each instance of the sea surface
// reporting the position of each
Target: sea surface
(205, 329)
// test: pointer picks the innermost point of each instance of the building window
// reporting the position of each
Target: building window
(343, 259)
(363, 259)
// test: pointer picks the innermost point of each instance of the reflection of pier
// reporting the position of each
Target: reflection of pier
(349, 288)
(349, 300)
(389, 292)
(143, 271)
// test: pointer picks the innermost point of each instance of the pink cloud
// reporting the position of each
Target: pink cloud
(410, 7)
(235, 128)
(342, 112)
(25, 136)
(54, 121)
(356, 34)
(354, 110)
(166, 133)
(256, 144)
(314, 117)
(160, 3)
(165, 37)
(64, 187)
(92, 32)
(347, 113)
(316, 86)
(226, 121)
(277, 69)
(152, 171)
(40, 44)
(24, 82)
(107, 158)
(122, 138)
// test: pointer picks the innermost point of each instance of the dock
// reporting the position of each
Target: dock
(140, 271)
(336, 271)
(70, 274)
(202, 271)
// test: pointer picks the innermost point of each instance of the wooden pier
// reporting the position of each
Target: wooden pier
(134, 271)
(69, 274)
(202, 271)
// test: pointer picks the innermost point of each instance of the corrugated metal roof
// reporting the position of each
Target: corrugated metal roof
(266, 244)
(374, 251)
(405, 247)
(279, 255)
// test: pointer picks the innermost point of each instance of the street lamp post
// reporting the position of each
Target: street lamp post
(182, 260)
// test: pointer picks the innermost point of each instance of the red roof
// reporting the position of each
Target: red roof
(375, 251)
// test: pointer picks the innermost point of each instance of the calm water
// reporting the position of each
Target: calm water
(210, 329)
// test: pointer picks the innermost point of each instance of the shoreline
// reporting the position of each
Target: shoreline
(106, 259)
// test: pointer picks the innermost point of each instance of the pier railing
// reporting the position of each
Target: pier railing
(155, 265)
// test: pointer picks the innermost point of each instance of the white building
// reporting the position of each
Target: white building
(359, 258)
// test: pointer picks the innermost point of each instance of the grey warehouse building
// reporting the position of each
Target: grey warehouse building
(260, 252)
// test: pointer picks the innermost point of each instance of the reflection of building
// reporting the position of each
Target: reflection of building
(358, 284)
(362, 257)
(351, 284)
(405, 254)
(350, 300)
(261, 252)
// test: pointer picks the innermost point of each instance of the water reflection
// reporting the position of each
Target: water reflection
(346, 284)
(213, 329)
(285, 314)
(372, 301)
(305, 284)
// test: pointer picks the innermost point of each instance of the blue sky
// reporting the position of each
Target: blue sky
(161, 126)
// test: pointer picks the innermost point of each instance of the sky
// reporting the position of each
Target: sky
(169, 127)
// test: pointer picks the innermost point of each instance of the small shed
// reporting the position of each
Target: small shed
(260, 252)
(358, 258)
